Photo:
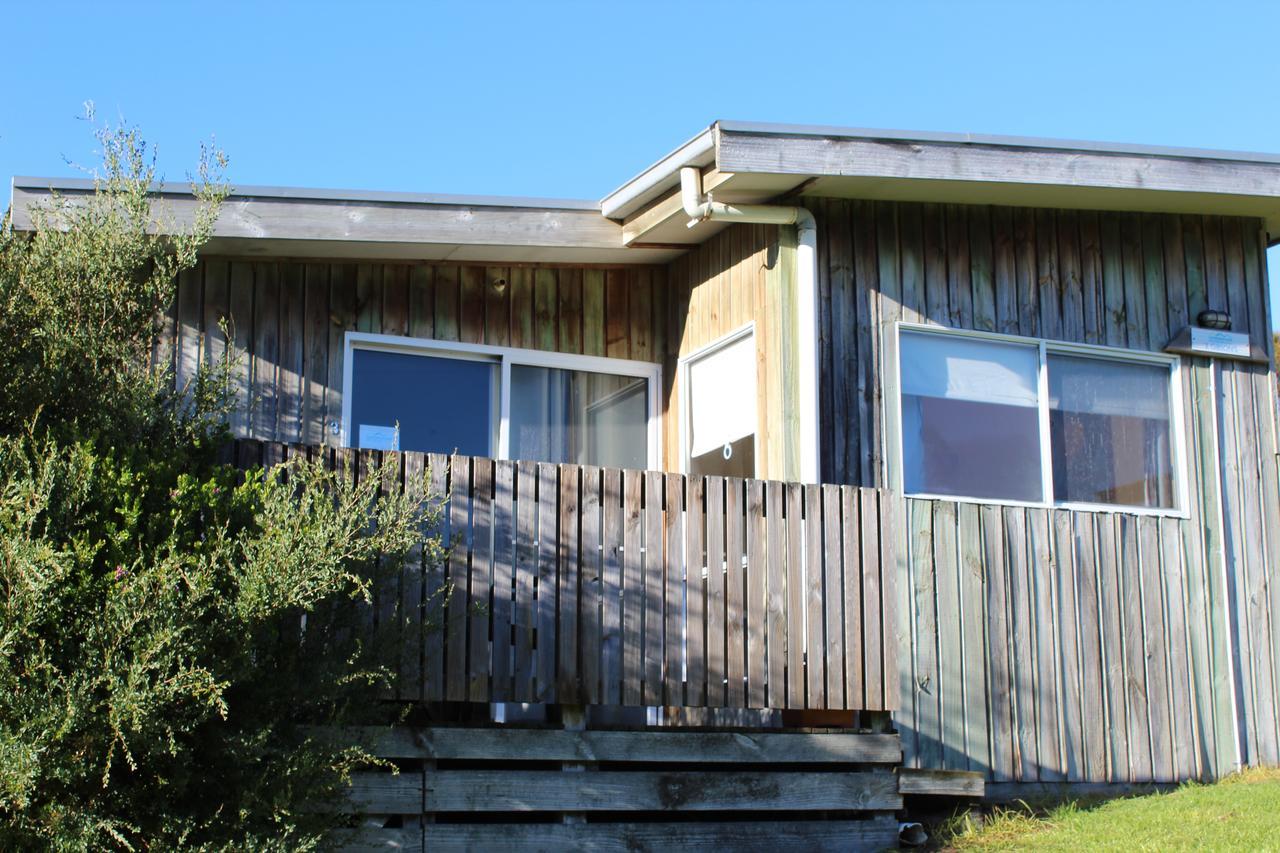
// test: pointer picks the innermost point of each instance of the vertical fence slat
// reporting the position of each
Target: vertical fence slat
(480, 582)
(756, 612)
(613, 551)
(526, 548)
(833, 598)
(795, 595)
(716, 582)
(874, 605)
(653, 591)
(413, 638)
(568, 679)
(852, 582)
(459, 558)
(673, 597)
(695, 593)
(997, 612)
(548, 486)
(735, 594)
(503, 578)
(435, 580)
(815, 641)
(590, 586)
(634, 600)
(776, 608)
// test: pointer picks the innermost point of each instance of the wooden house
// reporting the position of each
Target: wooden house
(800, 427)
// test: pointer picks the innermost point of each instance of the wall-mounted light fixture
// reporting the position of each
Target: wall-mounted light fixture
(1211, 319)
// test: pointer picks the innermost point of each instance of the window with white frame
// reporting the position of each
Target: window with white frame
(720, 407)
(1000, 418)
(413, 394)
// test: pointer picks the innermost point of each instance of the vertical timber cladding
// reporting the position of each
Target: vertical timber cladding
(741, 275)
(1053, 645)
(287, 322)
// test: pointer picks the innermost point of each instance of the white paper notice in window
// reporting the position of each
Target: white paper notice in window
(379, 437)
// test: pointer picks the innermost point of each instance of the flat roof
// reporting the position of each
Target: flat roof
(742, 162)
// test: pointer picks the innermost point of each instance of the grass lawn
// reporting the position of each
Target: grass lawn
(1241, 812)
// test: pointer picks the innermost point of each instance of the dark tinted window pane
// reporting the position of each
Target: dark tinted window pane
(576, 416)
(1110, 433)
(421, 402)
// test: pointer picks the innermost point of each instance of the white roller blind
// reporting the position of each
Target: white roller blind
(1103, 387)
(958, 368)
(722, 396)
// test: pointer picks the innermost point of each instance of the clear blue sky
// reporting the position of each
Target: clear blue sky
(571, 99)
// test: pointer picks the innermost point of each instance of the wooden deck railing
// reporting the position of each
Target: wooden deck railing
(576, 584)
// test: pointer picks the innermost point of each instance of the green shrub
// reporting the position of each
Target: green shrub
(169, 628)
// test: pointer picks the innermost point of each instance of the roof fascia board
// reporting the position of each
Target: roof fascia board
(994, 140)
(811, 154)
(291, 218)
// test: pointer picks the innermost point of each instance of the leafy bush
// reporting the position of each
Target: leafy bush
(169, 628)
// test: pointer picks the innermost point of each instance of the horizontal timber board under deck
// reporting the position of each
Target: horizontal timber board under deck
(647, 791)
(440, 743)
(877, 833)
(529, 619)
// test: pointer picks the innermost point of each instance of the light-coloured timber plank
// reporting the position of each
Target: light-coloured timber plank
(851, 591)
(973, 623)
(995, 575)
(1047, 674)
(1155, 648)
(832, 597)
(794, 493)
(950, 634)
(1021, 668)
(1068, 644)
(815, 642)
(941, 783)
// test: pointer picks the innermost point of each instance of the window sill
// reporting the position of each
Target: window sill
(1095, 508)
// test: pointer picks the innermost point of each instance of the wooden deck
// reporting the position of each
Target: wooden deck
(584, 586)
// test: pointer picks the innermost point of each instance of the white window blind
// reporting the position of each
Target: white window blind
(956, 368)
(722, 396)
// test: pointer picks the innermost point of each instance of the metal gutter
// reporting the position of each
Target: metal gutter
(662, 176)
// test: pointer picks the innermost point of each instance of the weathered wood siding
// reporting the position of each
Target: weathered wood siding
(742, 275)
(1049, 645)
(581, 585)
(287, 321)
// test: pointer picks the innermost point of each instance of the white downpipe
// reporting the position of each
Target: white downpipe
(701, 208)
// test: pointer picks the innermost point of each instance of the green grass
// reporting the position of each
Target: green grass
(1241, 812)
